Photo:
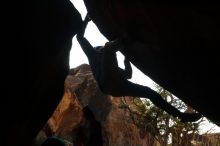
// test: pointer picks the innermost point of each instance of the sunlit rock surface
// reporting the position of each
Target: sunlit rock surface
(113, 122)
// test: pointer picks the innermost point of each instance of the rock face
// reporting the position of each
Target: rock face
(185, 61)
(68, 107)
(87, 116)
(175, 45)
(42, 62)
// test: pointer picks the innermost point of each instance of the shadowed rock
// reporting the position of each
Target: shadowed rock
(37, 87)
(175, 45)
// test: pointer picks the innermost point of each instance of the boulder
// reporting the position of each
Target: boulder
(87, 116)
(175, 45)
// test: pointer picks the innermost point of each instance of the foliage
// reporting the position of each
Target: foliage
(165, 128)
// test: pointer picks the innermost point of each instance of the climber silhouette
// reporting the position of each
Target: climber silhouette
(113, 80)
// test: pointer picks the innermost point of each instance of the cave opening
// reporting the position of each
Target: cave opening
(77, 56)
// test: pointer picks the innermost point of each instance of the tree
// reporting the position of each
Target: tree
(165, 129)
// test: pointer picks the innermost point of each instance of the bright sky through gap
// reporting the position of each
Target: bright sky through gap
(77, 56)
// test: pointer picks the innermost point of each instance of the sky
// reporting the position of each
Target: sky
(97, 39)
(77, 57)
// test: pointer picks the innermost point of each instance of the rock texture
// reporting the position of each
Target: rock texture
(39, 52)
(179, 52)
(72, 122)
(175, 45)
(67, 115)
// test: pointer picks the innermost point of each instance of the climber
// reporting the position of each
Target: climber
(113, 80)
